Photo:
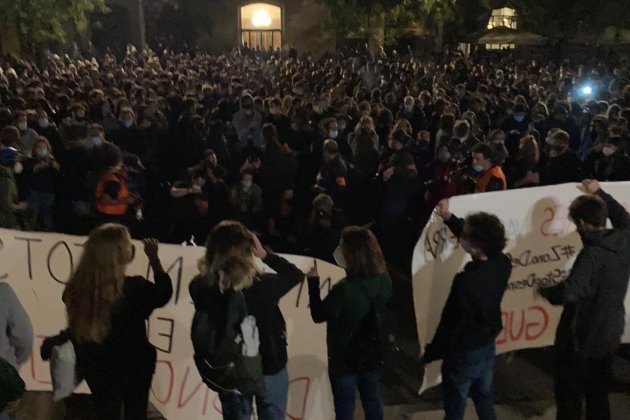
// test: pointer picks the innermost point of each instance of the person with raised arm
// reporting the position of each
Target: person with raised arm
(593, 319)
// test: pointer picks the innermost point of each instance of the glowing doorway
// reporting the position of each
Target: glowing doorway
(261, 26)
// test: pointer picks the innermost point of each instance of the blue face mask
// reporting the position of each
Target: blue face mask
(42, 153)
(477, 167)
(519, 118)
(96, 141)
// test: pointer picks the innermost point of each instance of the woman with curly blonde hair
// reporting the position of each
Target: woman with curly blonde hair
(106, 312)
(230, 283)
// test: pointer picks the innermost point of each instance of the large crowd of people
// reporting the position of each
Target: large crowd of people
(170, 145)
(321, 157)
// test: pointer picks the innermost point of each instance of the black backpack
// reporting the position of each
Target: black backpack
(11, 385)
(371, 347)
(227, 357)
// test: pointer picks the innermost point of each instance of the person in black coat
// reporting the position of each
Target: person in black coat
(593, 319)
(471, 319)
(262, 295)
(563, 165)
(107, 313)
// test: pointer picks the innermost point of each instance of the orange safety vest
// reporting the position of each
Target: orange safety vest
(118, 209)
(494, 172)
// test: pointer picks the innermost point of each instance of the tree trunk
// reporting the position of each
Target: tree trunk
(440, 36)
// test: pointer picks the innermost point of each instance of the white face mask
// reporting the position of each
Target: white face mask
(333, 134)
(18, 168)
(609, 150)
(127, 123)
(409, 108)
(338, 256)
(96, 141)
(44, 123)
(246, 185)
(466, 246)
(22, 126)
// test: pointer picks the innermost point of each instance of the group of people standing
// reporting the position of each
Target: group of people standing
(592, 322)
(107, 311)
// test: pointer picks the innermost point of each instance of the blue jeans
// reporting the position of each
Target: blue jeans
(40, 204)
(465, 372)
(271, 400)
(344, 390)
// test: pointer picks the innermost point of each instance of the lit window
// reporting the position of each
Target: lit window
(261, 16)
(503, 17)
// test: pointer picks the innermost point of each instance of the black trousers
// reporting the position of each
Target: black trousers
(579, 380)
(116, 385)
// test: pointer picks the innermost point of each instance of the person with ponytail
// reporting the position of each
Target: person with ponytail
(229, 272)
(107, 311)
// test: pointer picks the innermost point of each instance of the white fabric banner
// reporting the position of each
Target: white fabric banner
(37, 265)
(542, 244)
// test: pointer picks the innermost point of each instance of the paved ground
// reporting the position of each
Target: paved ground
(523, 382)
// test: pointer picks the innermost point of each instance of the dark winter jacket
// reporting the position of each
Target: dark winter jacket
(593, 295)
(471, 317)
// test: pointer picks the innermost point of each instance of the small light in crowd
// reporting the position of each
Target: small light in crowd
(587, 90)
(261, 19)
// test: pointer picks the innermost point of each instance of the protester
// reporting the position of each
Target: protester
(562, 164)
(229, 269)
(492, 177)
(593, 318)
(191, 207)
(247, 200)
(112, 193)
(333, 177)
(10, 206)
(41, 175)
(471, 319)
(107, 312)
(344, 310)
(16, 339)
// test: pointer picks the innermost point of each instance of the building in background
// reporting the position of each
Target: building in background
(219, 25)
(504, 17)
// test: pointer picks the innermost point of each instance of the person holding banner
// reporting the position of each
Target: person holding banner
(592, 323)
(107, 312)
(345, 310)
(471, 319)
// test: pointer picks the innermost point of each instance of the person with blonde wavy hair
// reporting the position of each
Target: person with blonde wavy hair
(230, 266)
(106, 312)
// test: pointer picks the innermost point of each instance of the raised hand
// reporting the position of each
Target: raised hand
(442, 209)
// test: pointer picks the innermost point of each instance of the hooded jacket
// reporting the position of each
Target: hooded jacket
(262, 302)
(593, 294)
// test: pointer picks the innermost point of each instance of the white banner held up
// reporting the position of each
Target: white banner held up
(542, 244)
(38, 265)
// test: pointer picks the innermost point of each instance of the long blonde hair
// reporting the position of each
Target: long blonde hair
(229, 262)
(97, 283)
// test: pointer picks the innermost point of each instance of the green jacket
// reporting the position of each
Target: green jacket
(343, 310)
(8, 199)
